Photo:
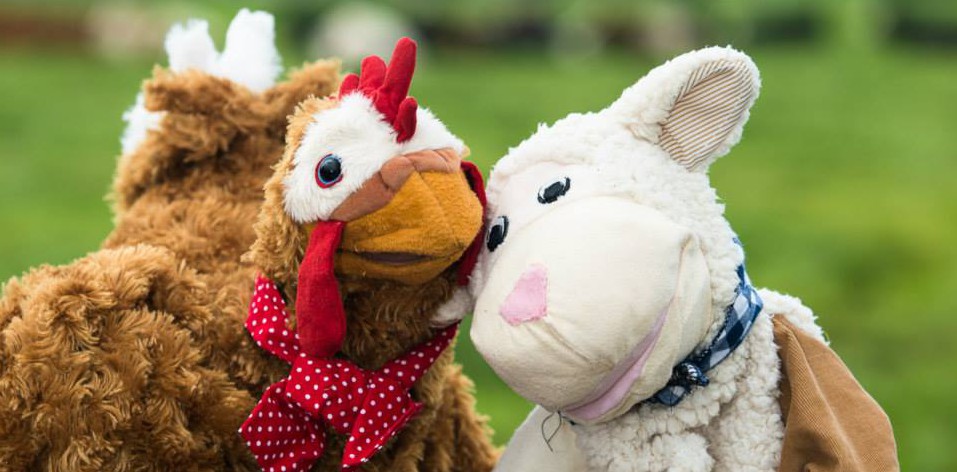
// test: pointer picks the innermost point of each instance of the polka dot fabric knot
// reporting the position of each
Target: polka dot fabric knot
(286, 431)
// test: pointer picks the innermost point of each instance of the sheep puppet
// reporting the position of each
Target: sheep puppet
(612, 293)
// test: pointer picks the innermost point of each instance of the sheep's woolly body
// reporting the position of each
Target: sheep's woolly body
(651, 149)
(706, 430)
(734, 424)
(740, 405)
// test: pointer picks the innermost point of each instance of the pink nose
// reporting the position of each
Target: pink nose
(527, 301)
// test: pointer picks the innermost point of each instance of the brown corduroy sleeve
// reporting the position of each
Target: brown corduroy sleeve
(831, 423)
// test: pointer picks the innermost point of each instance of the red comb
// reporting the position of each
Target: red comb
(388, 87)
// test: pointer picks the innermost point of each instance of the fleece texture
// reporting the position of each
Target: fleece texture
(651, 148)
(706, 431)
(134, 357)
(830, 423)
(616, 154)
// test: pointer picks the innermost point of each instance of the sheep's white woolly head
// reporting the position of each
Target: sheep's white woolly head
(249, 58)
(608, 256)
(373, 122)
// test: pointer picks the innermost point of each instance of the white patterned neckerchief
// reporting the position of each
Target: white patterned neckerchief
(739, 317)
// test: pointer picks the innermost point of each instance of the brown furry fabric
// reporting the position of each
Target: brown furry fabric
(134, 357)
(384, 319)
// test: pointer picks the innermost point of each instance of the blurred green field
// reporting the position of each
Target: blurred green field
(843, 190)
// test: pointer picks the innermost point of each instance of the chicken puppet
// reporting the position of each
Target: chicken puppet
(135, 357)
(613, 294)
(371, 223)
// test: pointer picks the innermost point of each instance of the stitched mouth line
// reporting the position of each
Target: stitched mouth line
(616, 383)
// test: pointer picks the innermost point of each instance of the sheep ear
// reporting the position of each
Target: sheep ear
(694, 106)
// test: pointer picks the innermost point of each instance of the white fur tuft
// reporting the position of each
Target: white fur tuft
(189, 46)
(454, 309)
(250, 59)
(139, 121)
(779, 304)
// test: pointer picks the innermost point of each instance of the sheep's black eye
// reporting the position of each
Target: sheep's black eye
(549, 193)
(329, 171)
(497, 233)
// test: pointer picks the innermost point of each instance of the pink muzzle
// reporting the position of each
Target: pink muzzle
(528, 299)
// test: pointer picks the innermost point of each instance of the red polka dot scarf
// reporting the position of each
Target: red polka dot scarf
(286, 431)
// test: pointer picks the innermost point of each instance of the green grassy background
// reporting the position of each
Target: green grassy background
(843, 190)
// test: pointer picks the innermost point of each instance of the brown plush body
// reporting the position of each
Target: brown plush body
(134, 357)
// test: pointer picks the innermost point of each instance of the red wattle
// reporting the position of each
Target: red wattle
(320, 316)
(470, 257)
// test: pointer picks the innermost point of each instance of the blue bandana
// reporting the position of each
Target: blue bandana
(739, 317)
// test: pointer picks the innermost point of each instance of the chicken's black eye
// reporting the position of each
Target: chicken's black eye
(329, 171)
(550, 192)
(497, 233)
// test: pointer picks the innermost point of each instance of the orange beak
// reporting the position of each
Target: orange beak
(411, 221)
